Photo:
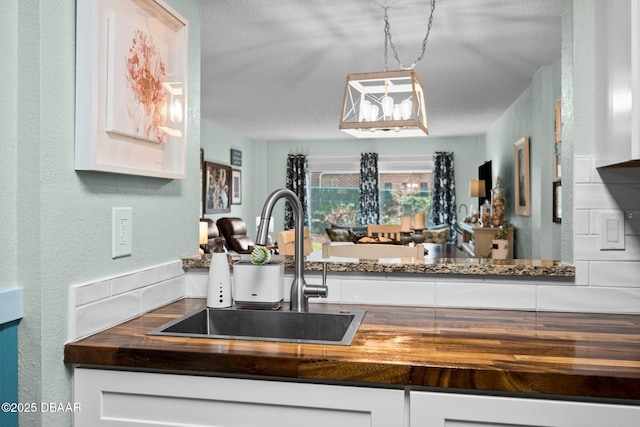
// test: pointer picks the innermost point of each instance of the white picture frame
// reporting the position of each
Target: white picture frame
(131, 88)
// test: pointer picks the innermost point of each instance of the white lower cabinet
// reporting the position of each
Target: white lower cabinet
(429, 409)
(122, 398)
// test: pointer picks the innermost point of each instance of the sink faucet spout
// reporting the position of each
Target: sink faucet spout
(300, 291)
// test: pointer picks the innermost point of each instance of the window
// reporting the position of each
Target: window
(405, 183)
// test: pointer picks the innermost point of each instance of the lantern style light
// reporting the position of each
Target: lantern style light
(387, 104)
(397, 94)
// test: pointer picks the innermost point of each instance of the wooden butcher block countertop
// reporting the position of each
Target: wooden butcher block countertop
(572, 354)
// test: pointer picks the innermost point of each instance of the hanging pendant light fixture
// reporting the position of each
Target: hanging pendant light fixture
(386, 103)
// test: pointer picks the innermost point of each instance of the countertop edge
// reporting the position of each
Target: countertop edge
(464, 266)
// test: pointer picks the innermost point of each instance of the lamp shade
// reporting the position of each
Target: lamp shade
(204, 232)
(387, 91)
(476, 188)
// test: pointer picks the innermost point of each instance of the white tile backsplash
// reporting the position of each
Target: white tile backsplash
(581, 222)
(615, 273)
(105, 302)
(582, 167)
(486, 295)
(589, 299)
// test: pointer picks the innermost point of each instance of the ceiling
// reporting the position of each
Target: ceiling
(276, 69)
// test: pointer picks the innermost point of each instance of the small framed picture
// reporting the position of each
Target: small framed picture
(236, 187)
(236, 157)
(557, 201)
(522, 177)
(558, 166)
(217, 185)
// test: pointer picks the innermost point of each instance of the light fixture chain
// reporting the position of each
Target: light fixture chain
(388, 40)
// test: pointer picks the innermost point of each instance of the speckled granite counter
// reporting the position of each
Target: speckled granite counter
(460, 266)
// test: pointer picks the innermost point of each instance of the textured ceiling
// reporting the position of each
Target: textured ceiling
(276, 69)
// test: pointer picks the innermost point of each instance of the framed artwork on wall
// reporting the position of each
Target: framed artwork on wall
(522, 177)
(236, 187)
(131, 88)
(217, 185)
(557, 201)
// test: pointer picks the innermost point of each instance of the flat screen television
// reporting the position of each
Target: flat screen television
(484, 173)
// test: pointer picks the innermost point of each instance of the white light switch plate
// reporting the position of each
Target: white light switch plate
(121, 225)
(611, 230)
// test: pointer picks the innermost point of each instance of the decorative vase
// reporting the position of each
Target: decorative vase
(418, 236)
(497, 205)
(405, 237)
(485, 214)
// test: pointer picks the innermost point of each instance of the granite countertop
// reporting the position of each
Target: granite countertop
(461, 266)
(543, 353)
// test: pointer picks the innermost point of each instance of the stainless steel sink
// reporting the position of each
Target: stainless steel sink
(314, 327)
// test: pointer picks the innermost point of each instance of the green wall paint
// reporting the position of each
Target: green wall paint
(217, 143)
(531, 115)
(63, 217)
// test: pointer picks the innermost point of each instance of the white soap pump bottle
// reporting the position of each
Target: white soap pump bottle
(219, 280)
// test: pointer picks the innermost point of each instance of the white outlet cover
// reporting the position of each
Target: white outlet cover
(121, 226)
(612, 230)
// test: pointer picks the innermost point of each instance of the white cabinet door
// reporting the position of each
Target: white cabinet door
(455, 410)
(120, 398)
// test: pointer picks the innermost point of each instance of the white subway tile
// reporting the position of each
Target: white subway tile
(593, 196)
(503, 296)
(137, 280)
(581, 222)
(414, 293)
(582, 273)
(97, 316)
(162, 293)
(91, 292)
(173, 269)
(589, 299)
(619, 274)
(582, 167)
(594, 227)
(196, 283)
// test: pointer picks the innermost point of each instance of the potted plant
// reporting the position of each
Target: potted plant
(500, 243)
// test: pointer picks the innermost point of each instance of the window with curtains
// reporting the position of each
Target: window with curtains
(404, 190)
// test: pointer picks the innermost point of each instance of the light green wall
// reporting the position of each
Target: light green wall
(217, 143)
(9, 150)
(63, 217)
(531, 115)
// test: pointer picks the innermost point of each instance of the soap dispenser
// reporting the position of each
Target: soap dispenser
(219, 280)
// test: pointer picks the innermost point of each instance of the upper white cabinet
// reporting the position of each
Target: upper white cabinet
(617, 83)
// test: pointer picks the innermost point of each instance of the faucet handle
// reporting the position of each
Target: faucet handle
(316, 291)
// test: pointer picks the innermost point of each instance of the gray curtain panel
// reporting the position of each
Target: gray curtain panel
(369, 189)
(443, 193)
(298, 182)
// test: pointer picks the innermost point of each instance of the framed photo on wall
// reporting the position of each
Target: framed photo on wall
(236, 187)
(217, 185)
(522, 177)
(557, 202)
(131, 88)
